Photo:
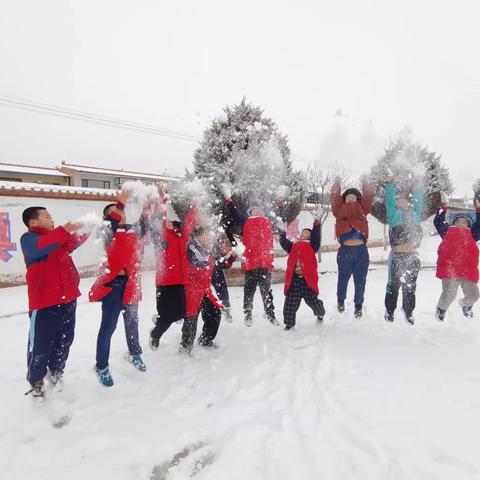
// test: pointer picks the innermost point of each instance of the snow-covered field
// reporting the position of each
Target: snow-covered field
(351, 399)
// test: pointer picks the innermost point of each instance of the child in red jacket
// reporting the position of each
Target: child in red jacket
(52, 281)
(257, 236)
(301, 277)
(351, 228)
(118, 286)
(457, 264)
(170, 242)
(198, 277)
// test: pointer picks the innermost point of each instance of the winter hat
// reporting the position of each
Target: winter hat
(354, 191)
(466, 216)
(251, 209)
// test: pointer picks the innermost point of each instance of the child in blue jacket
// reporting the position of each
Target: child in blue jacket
(404, 218)
(52, 281)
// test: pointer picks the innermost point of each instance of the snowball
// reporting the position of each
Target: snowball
(89, 222)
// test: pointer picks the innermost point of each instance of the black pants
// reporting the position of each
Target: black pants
(300, 290)
(170, 308)
(403, 271)
(263, 278)
(211, 316)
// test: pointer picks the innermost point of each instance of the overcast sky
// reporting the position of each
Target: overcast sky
(339, 77)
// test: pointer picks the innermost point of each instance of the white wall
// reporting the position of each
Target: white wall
(87, 256)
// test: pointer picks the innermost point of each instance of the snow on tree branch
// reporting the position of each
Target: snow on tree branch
(409, 163)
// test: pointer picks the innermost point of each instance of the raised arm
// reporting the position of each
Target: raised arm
(394, 215)
(76, 241)
(439, 221)
(190, 222)
(112, 219)
(336, 200)
(285, 243)
(418, 202)
(367, 198)
(316, 236)
(36, 246)
(238, 217)
(476, 225)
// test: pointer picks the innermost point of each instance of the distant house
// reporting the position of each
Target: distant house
(10, 172)
(109, 178)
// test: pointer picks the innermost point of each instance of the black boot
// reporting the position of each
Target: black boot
(341, 306)
(409, 317)
(440, 314)
(388, 316)
(358, 310)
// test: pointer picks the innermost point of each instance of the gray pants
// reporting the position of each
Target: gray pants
(449, 292)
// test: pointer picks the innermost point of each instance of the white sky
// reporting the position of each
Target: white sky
(381, 64)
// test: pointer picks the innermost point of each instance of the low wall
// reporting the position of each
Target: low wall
(86, 258)
(69, 203)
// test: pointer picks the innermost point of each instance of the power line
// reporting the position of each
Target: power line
(55, 110)
(97, 119)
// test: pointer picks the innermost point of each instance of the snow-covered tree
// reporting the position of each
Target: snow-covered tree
(409, 163)
(243, 154)
(476, 189)
(319, 180)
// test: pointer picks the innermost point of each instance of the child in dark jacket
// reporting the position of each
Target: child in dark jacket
(118, 286)
(457, 264)
(224, 259)
(301, 278)
(351, 209)
(198, 277)
(257, 236)
(52, 281)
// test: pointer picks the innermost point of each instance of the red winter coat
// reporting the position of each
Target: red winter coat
(302, 251)
(197, 285)
(170, 255)
(351, 216)
(52, 278)
(458, 255)
(124, 252)
(258, 241)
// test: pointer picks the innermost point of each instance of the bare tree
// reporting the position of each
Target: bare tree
(319, 181)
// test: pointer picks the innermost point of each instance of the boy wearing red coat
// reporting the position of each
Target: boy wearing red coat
(170, 241)
(301, 278)
(198, 277)
(118, 287)
(257, 236)
(457, 264)
(52, 281)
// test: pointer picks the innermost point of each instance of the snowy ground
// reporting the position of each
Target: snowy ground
(351, 399)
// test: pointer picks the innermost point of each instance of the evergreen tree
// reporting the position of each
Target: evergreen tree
(243, 152)
(409, 163)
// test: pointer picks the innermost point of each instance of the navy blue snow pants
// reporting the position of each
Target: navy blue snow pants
(352, 260)
(112, 305)
(219, 282)
(51, 334)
